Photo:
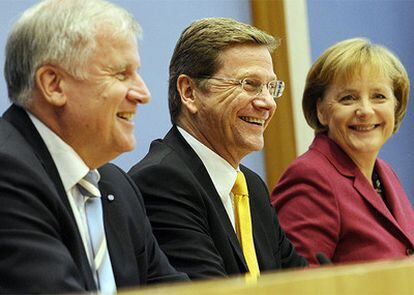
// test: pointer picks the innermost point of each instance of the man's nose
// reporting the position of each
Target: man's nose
(139, 91)
(264, 100)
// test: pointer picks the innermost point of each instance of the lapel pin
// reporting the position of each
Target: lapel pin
(111, 198)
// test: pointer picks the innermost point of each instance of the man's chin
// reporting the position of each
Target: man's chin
(127, 145)
(254, 146)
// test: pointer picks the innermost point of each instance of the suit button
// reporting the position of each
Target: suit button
(410, 251)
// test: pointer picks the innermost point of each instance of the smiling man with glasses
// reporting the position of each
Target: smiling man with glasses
(210, 214)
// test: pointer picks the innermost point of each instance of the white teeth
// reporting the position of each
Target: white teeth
(126, 115)
(253, 120)
(363, 128)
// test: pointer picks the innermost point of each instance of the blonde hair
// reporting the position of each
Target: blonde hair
(342, 61)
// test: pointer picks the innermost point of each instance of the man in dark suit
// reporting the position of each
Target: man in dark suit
(71, 71)
(222, 92)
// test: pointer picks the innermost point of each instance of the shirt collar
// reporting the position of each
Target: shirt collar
(70, 166)
(221, 172)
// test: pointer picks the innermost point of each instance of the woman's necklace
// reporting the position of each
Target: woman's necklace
(377, 183)
(379, 189)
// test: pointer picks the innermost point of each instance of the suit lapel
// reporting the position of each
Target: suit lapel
(347, 168)
(118, 249)
(365, 189)
(371, 196)
(400, 207)
(175, 140)
(21, 121)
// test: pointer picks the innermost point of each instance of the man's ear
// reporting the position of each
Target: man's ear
(186, 89)
(49, 84)
(320, 109)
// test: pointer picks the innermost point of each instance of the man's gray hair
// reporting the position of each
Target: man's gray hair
(61, 33)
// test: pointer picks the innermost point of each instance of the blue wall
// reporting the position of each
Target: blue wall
(387, 22)
(390, 23)
(162, 22)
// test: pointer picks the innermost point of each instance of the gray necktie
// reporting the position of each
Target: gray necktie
(101, 264)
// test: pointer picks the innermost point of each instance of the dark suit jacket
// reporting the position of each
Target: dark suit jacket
(189, 219)
(326, 204)
(40, 246)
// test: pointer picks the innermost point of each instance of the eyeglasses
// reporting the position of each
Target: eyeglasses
(255, 87)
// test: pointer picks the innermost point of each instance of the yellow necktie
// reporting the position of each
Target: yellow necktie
(244, 224)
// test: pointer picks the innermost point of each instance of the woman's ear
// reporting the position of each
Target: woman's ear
(320, 109)
(186, 89)
(49, 84)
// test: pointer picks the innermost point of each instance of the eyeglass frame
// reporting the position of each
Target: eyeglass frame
(279, 87)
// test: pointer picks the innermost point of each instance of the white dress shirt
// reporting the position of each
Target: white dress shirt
(220, 171)
(71, 169)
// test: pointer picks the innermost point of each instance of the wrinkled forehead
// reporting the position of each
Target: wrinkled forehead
(111, 30)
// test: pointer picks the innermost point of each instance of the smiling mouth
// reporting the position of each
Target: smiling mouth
(364, 128)
(127, 116)
(255, 121)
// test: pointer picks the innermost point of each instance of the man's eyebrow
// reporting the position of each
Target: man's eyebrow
(255, 75)
(118, 67)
